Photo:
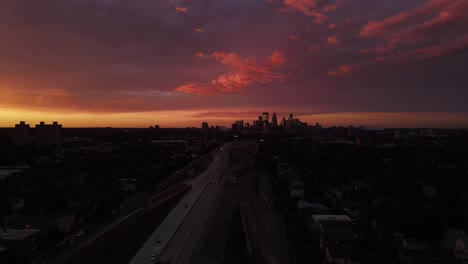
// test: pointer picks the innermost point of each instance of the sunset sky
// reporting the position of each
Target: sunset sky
(176, 63)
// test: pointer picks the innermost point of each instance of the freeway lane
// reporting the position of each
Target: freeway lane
(180, 232)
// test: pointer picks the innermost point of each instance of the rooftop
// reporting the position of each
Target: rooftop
(340, 218)
(296, 184)
(17, 234)
(7, 173)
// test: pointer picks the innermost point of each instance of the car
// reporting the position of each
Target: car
(158, 243)
(153, 259)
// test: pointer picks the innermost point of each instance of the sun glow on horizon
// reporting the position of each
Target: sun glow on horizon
(193, 118)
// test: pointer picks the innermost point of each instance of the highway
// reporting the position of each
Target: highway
(175, 240)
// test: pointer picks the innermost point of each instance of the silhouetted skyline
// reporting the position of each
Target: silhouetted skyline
(177, 63)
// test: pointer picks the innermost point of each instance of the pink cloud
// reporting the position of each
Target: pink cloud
(453, 14)
(181, 9)
(340, 24)
(294, 37)
(308, 8)
(199, 30)
(334, 40)
(199, 55)
(379, 49)
(277, 58)
(329, 8)
(456, 46)
(343, 69)
(408, 56)
(245, 73)
(314, 48)
(387, 25)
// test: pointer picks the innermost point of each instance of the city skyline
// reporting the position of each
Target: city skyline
(177, 63)
(376, 120)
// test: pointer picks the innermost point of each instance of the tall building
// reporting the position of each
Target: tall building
(283, 122)
(240, 124)
(265, 118)
(21, 136)
(48, 135)
(291, 116)
(259, 121)
(274, 120)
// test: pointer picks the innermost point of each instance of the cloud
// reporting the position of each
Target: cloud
(379, 49)
(408, 56)
(329, 8)
(277, 58)
(244, 114)
(418, 54)
(454, 14)
(379, 28)
(311, 8)
(104, 52)
(343, 69)
(340, 24)
(314, 48)
(334, 40)
(199, 55)
(246, 72)
(294, 37)
(181, 9)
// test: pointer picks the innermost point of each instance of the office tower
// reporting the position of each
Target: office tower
(21, 136)
(274, 120)
(204, 127)
(240, 124)
(265, 118)
(291, 116)
(48, 135)
(283, 122)
(260, 122)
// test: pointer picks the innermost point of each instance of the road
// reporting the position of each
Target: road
(267, 238)
(175, 240)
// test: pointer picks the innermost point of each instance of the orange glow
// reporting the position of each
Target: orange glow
(387, 119)
(181, 9)
(9, 117)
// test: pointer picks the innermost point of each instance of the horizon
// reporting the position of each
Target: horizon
(177, 63)
(324, 119)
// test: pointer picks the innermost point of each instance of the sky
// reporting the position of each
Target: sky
(176, 63)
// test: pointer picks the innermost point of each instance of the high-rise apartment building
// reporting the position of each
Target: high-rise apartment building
(48, 135)
(21, 136)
